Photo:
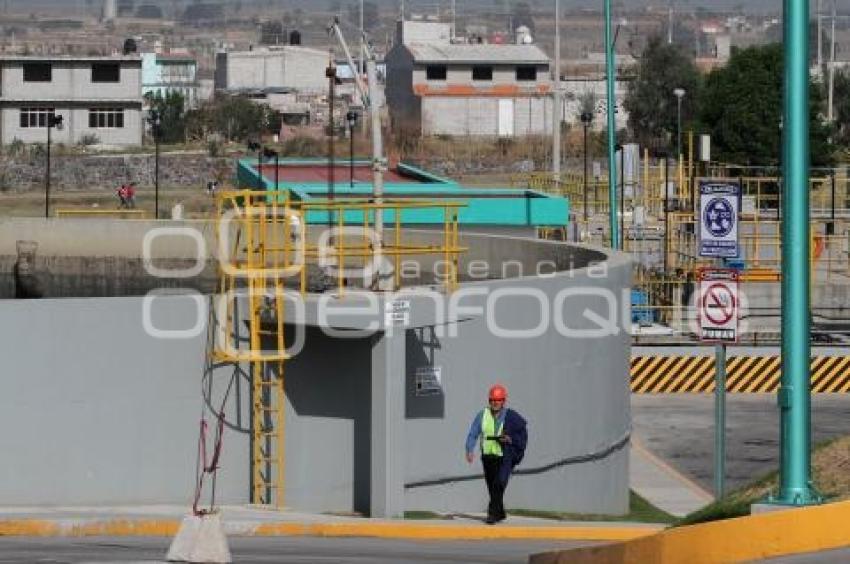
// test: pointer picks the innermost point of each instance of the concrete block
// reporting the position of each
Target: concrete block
(200, 539)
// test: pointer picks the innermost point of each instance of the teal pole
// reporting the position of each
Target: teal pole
(794, 398)
(612, 131)
(719, 419)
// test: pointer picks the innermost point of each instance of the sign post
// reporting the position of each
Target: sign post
(719, 312)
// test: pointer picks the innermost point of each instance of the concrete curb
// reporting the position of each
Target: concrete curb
(766, 535)
(389, 530)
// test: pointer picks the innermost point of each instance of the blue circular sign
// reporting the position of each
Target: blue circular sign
(719, 217)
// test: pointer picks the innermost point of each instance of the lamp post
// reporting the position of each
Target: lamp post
(351, 118)
(679, 93)
(52, 121)
(155, 121)
(610, 70)
(586, 118)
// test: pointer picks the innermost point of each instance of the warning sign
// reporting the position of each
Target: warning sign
(720, 204)
(718, 305)
(429, 380)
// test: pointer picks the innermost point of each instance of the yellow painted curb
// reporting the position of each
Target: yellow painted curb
(454, 532)
(168, 527)
(766, 535)
(69, 528)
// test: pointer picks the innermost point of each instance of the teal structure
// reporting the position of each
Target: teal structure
(491, 207)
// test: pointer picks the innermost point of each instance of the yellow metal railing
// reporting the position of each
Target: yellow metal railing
(266, 243)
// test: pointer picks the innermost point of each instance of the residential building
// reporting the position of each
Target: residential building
(279, 67)
(439, 87)
(96, 96)
(164, 73)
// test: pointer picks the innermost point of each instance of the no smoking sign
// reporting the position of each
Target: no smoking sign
(718, 305)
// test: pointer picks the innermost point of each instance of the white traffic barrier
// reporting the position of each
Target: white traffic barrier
(200, 539)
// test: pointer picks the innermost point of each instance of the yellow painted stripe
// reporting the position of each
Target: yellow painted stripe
(833, 381)
(452, 532)
(656, 374)
(769, 381)
(744, 539)
(675, 372)
(734, 377)
(755, 374)
(383, 529)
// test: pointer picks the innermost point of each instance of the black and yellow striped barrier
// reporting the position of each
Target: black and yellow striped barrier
(744, 374)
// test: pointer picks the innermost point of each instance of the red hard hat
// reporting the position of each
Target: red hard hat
(498, 392)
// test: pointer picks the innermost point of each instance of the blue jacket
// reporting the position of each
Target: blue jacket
(515, 427)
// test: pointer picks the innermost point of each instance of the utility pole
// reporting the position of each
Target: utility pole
(361, 69)
(556, 101)
(610, 67)
(794, 397)
(820, 39)
(829, 109)
(670, 23)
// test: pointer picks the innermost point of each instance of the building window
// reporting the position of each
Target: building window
(526, 73)
(36, 117)
(482, 73)
(105, 72)
(37, 72)
(104, 118)
(435, 72)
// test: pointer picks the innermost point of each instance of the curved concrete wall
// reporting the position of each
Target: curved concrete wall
(573, 390)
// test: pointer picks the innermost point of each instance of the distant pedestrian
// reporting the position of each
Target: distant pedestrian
(131, 195)
(212, 186)
(503, 436)
(122, 196)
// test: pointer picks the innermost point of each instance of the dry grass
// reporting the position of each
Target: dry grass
(830, 471)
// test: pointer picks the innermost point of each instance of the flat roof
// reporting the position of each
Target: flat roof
(72, 58)
(477, 53)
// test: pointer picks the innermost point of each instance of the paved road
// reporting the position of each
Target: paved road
(680, 429)
(825, 557)
(264, 550)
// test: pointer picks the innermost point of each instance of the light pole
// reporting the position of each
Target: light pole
(679, 93)
(155, 121)
(351, 118)
(52, 121)
(586, 118)
(611, 100)
(254, 146)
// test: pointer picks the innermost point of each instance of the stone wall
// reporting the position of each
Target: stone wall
(106, 172)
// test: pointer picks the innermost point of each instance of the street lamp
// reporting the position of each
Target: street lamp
(679, 93)
(586, 118)
(155, 122)
(351, 118)
(52, 121)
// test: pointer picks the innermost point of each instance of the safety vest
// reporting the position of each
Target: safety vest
(488, 429)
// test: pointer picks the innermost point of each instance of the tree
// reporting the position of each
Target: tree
(232, 117)
(742, 109)
(172, 115)
(652, 106)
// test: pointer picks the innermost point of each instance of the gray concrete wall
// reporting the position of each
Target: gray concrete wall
(71, 80)
(75, 125)
(479, 116)
(123, 407)
(95, 411)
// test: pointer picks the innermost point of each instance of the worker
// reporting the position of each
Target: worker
(503, 437)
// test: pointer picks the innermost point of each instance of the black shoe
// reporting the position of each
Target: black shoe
(502, 517)
(491, 520)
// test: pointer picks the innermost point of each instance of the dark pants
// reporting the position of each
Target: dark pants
(492, 465)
